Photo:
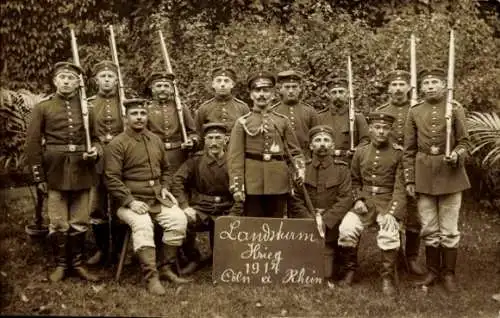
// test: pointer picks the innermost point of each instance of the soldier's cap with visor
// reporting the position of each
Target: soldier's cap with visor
(290, 76)
(224, 71)
(159, 76)
(214, 127)
(397, 75)
(320, 129)
(135, 103)
(432, 73)
(380, 117)
(105, 65)
(67, 67)
(261, 79)
(336, 81)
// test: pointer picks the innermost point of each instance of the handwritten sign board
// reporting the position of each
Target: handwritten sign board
(260, 251)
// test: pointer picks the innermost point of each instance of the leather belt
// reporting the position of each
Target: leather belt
(264, 156)
(377, 189)
(432, 150)
(172, 145)
(65, 148)
(106, 138)
(211, 198)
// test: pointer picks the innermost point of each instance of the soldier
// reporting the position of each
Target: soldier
(328, 182)
(108, 122)
(64, 168)
(438, 180)
(399, 88)
(261, 144)
(201, 185)
(337, 117)
(137, 176)
(302, 116)
(379, 196)
(223, 107)
(163, 120)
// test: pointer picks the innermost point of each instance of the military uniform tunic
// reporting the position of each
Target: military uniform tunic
(400, 113)
(425, 140)
(220, 110)
(339, 121)
(302, 118)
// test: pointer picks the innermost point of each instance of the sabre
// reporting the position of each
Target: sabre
(449, 96)
(352, 115)
(83, 94)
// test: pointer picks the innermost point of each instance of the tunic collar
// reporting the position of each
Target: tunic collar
(323, 163)
(212, 160)
(137, 135)
(339, 110)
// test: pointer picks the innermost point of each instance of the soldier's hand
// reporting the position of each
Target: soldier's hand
(349, 153)
(410, 190)
(389, 223)
(300, 176)
(188, 145)
(337, 152)
(190, 213)
(139, 207)
(239, 196)
(167, 194)
(91, 155)
(452, 159)
(42, 187)
(360, 207)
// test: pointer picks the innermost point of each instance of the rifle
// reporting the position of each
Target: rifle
(413, 71)
(178, 104)
(352, 118)
(83, 94)
(114, 56)
(449, 96)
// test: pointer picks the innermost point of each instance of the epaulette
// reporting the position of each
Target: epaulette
(278, 114)
(397, 146)
(340, 162)
(243, 119)
(419, 102)
(207, 101)
(456, 104)
(274, 106)
(326, 109)
(308, 161)
(197, 153)
(91, 97)
(308, 105)
(382, 106)
(240, 101)
(46, 98)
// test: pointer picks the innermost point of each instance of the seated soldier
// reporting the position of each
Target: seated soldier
(379, 196)
(136, 171)
(328, 183)
(201, 185)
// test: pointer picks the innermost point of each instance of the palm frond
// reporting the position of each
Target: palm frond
(484, 130)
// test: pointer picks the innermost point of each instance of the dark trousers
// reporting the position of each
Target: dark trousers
(266, 205)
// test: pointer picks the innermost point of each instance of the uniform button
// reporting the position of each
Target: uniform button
(376, 157)
(377, 151)
(70, 120)
(374, 176)
(70, 126)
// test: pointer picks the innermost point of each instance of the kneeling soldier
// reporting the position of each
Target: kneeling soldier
(379, 195)
(201, 186)
(328, 183)
(136, 171)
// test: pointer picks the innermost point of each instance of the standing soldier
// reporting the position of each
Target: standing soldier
(223, 107)
(64, 168)
(328, 182)
(201, 185)
(108, 123)
(163, 120)
(437, 180)
(399, 104)
(302, 116)
(337, 117)
(137, 176)
(261, 144)
(379, 196)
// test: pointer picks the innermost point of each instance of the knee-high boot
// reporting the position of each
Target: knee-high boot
(77, 243)
(58, 241)
(147, 258)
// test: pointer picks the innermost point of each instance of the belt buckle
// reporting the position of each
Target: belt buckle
(168, 145)
(217, 199)
(72, 148)
(375, 189)
(151, 183)
(266, 156)
(434, 149)
(109, 137)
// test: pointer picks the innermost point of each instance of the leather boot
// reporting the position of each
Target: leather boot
(168, 265)
(349, 256)
(76, 243)
(147, 258)
(101, 234)
(192, 254)
(433, 262)
(388, 272)
(59, 241)
(449, 257)
(412, 249)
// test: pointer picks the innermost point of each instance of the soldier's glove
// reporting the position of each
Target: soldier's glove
(388, 223)
(452, 159)
(91, 155)
(239, 196)
(360, 207)
(191, 214)
(410, 190)
(42, 187)
(188, 145)
(139, 207)
(299, 176)
(167, 194)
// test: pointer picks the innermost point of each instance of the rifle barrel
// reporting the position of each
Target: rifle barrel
(413, 71)
(114, 55)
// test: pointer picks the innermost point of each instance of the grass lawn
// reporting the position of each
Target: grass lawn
(25, 289)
